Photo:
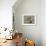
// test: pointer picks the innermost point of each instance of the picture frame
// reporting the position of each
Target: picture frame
(28, 19)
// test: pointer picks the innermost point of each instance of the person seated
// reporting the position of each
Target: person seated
(18, 40)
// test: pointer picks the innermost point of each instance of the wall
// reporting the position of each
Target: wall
(30, 32)
(43, 22)
(6, 13)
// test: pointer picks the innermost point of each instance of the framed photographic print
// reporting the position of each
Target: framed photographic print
(29, 19)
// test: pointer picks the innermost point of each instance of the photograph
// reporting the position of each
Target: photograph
(22, 22)
(29, 20)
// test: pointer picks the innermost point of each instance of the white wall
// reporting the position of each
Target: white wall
(31, 32)
(43, 22)
(6, 13)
